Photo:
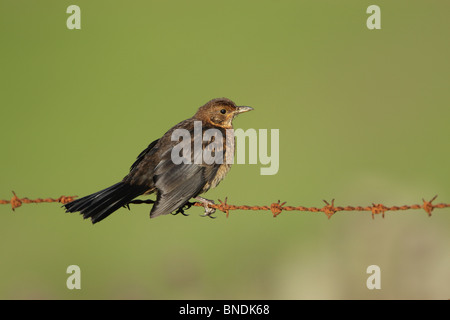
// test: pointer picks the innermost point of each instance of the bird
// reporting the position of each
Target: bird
(167, 169)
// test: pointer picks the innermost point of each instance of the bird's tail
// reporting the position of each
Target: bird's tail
(99, 205)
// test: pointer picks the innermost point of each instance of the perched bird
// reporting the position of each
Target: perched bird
(174, 182)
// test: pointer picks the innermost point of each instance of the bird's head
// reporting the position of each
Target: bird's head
(220, 112)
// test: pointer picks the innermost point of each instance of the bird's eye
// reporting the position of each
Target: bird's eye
(223, 111)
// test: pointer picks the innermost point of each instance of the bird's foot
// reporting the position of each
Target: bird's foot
(183, 208)
(206, 204)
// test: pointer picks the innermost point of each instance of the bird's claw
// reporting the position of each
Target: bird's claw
(208, 212)
(180, 210)
(183, 208)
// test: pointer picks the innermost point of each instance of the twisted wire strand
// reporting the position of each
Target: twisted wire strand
(329, 209)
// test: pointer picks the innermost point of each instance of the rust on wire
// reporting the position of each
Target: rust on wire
(329, 209)
(17, 202)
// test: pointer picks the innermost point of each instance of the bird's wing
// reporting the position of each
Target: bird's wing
(176, 184)
(144, 153)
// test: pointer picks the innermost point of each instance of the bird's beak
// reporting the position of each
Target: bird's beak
(243, 109)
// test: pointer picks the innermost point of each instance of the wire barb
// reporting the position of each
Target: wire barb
(224, 207)
(276, 207)
(329, 209)
(377, 209)
(16, 202)
(428, 206)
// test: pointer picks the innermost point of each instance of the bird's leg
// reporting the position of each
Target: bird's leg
(206, 204)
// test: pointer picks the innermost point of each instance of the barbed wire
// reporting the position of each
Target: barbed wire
(276, 207)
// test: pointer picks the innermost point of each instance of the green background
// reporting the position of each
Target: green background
(363, 117)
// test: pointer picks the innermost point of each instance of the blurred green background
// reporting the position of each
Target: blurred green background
(363, 117)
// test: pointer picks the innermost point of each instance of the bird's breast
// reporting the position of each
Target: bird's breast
(221, 173)
(228, 158)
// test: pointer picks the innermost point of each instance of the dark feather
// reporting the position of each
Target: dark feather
(143, 154)
(176, 184)
(101, 204)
